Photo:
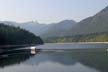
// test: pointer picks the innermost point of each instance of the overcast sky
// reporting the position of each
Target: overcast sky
(47, 11)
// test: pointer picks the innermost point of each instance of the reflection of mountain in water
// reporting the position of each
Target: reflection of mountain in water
(53, 57)
(97, 60)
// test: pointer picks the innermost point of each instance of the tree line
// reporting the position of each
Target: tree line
(92, 37)
(10, 35)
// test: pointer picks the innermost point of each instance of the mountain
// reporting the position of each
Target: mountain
(10, 35)
(34, 27)
(94, 24)
(58, 29)
(31, 26)
(69, 28)
(91, 29)
(44, 30)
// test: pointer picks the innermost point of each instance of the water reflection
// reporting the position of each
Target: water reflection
(97, 60)
(53, 61)
(14, 59)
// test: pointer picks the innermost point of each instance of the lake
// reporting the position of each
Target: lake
(58, 58)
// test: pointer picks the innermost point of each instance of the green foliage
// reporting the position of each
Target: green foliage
(94, 37)
(14, 35)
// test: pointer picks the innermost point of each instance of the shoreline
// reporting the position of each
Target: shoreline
(80, 43)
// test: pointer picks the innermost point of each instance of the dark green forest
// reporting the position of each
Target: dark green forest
(10, 35)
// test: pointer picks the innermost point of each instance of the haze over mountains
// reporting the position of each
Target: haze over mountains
(58, 29)
(31, 26)
(44, 29)
(94, 24)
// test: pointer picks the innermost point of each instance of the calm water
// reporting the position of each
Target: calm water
(68, 60)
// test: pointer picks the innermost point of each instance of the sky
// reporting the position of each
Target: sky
(49, 11)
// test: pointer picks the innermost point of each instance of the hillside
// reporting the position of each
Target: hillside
(44, 30)
(95, 24)
(10, 35)
(58, 29)
(93, 37)
(68, 29)
(94, 28)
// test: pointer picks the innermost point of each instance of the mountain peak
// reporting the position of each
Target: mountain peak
(65, 21)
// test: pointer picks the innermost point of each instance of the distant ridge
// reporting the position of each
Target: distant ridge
(69, 28)
(58, 29)
(94, 24)
(43, 29)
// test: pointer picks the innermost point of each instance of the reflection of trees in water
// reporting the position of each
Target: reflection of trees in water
(12, 59)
